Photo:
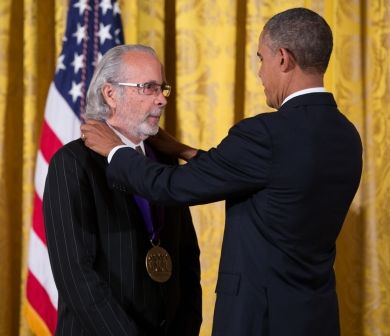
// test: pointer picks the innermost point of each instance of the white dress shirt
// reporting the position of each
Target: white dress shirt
(302, 92)
(127, 143)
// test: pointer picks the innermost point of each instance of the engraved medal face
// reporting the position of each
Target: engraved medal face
(158, 264)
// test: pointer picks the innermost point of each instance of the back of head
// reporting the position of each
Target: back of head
(305, 34)
(108, 70)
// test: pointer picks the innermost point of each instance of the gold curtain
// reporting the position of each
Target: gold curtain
(209, 50)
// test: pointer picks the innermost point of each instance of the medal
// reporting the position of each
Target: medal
(158, 264)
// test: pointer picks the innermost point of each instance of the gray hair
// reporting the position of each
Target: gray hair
(303, 33)
(108, 70)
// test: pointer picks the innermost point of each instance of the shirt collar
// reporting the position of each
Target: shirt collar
(125, 140)
(302, 92)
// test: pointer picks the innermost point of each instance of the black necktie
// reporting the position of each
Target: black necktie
(139, 150)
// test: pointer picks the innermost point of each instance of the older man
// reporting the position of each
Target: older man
(122, 266)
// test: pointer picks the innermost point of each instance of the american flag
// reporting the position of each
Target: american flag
(92, 28)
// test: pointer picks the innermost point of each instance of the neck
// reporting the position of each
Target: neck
(133, 138)
(125, 134)
(300, 81)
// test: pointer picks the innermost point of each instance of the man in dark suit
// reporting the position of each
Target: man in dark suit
(288, 178)
(122, 266)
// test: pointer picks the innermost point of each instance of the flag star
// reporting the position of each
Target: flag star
(82, 6)
(117, 39)
(104, 33)
(116, 8)
(79, 33)
(60, 63)
(77, 62)
(105, 6)
(75, 91)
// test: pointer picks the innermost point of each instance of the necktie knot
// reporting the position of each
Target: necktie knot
(139, 150)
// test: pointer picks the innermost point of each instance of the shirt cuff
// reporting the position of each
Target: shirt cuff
(113, 151)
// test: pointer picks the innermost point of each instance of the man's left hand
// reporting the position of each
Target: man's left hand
(99, 137)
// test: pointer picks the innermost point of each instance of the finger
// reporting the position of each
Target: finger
(86, 127)
(94, 122)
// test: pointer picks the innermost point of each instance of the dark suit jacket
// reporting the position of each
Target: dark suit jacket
(97, 244)
(289, 178)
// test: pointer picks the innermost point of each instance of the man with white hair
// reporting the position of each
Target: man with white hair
(122, 265)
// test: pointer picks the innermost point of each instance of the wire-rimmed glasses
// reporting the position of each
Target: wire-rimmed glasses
(150, 88)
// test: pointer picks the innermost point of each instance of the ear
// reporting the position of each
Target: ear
(287, 60)
(110, 95)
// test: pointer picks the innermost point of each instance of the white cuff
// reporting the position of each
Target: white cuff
(113, 151)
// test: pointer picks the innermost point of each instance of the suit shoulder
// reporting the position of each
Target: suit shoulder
(248, 132)
(254, 125)
(74, 149)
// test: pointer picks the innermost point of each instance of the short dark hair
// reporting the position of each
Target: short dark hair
(305, 34)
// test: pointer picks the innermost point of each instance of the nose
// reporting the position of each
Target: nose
(160, 99)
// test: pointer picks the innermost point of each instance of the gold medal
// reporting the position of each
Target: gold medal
(158, 264)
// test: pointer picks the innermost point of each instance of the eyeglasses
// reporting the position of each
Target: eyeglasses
(150, 88)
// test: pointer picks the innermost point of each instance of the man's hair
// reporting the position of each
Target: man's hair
(108, 70)
(303, 33)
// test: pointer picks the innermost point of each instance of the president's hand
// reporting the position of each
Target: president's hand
(99, 137)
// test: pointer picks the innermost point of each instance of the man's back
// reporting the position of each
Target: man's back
(279, 241)
(316, 168)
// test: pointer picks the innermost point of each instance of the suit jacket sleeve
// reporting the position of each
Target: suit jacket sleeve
(70, 219)
(189, 317)
(238, 166)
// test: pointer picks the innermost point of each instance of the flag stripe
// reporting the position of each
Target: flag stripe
(40, 174)
(38, 225)
(93, 27)
(60, 117)
(34, 320)
(50, 142)
(42, 304)
(39, 266)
